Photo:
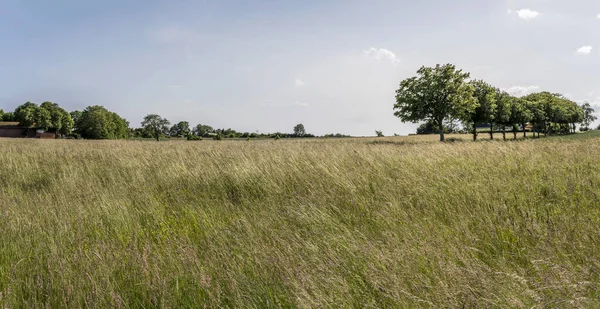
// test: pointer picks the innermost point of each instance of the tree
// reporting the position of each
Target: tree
(435, 95)
(202, 130)
(156, 125)
(181, 129)
(502, 112)
(379, 133)
(2, 113)
(26, 114)
(60, 119)
(96, 122)
(486, 109)
(588, 116)
(299, 130)
(519, 115)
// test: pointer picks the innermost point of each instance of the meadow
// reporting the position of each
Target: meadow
(363, 222)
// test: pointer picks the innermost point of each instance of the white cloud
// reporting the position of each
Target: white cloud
(584, 50)
(527, 14)
(299, 83)
(519, 91)
(297, 103)
(598, 16)
(382, 53)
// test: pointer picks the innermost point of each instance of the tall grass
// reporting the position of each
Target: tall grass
(393, 222)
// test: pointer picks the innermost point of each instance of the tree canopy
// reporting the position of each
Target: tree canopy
(96, 122)
(156, 125)
(435, 94)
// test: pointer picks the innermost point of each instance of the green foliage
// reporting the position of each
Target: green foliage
(181, 129)
(156, 125)
(485, 112)
(47, 116)
(429, 128)
(192, 137)
(299, 130)
(435, 95)
(379, 133)
(588, 116)
(26, 114)
(96, 122)
(202, 130)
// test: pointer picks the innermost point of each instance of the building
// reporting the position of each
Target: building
(14, 130)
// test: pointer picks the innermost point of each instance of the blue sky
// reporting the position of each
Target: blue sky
(268, 65)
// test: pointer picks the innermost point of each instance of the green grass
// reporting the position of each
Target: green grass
(391, 222)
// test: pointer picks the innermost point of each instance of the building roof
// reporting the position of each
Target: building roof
(9, 124)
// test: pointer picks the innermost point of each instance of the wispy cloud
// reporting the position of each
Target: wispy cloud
(527, 14)
(299, 83)
(382, 53)
(584, 50)
(519, 91)
(302, 104)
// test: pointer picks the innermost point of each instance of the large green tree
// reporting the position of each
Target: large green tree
(180, 129)
(26, 114)
(203, 130)
(588, 116)
(486, 100)
(96, 122)
(502, 113)
(435, 94)
(60, 119)
(520, 115)
(156, 125)
(299, 130)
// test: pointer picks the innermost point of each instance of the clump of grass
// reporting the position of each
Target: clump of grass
(301, 223)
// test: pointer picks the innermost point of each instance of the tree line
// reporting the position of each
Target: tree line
(443, 95)
(96, 122)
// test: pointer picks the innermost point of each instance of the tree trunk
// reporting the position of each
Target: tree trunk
(515, 132)
(533, 129)
(474, 131)
(441, 128)
(491, 131)
(524, 132)
(503, 132)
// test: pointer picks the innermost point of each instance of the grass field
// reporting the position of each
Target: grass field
(390, 222)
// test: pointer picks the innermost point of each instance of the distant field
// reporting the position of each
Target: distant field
(362, 222)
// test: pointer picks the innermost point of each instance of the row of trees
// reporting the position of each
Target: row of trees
(96, 122)
(155, 126)
(444, 95)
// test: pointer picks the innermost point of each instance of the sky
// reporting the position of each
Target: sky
(267, 65)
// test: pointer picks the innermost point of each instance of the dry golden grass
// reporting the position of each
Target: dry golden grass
(391, 222)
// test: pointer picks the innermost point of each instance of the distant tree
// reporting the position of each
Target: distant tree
(520, 115)
(435, 94)
(26, 114)
(156, 125)
(588, 116)
(486, 109)
(9, 116)
(75, 116)
(60, 119)
(202, 130)
(299, 130)
(379, 133)
(2, 113)
(181, 129)
(429, 128)
(96, 122)
(502, 112)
